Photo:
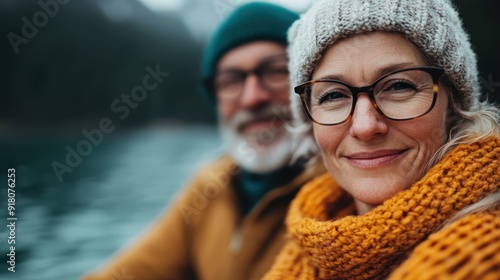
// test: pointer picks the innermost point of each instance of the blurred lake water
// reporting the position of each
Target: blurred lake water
(70, 227)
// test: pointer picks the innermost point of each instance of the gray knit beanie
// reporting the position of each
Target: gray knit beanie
(432, 25)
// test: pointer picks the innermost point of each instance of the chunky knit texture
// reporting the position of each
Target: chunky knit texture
(481, 261)
(329, 242)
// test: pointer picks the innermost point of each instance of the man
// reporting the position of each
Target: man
(228, 224)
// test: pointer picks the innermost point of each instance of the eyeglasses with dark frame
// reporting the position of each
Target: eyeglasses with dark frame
(401, 95)
(272, 73)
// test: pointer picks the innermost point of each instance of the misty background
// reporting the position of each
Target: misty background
(63, 78)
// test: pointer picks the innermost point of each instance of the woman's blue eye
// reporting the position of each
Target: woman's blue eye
(331, 97)
(400, 86)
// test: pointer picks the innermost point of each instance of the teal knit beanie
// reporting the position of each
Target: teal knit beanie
(247, 23)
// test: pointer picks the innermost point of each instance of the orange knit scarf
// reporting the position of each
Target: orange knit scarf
(327, 244)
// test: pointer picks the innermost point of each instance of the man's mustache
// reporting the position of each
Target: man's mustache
(245, 117)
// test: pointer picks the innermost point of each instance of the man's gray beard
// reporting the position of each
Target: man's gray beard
(265, 151)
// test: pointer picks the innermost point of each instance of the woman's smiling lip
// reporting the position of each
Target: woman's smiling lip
(375, 158)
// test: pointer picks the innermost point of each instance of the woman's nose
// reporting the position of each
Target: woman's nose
(366, 121)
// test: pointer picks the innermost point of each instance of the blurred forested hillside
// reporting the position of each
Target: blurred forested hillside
(86, 56)
(481, 20)
(92, 51)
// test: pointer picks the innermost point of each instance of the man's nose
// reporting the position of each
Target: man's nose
(253, 93)
(366, 121)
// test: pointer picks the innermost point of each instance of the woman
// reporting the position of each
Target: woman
(391, 96)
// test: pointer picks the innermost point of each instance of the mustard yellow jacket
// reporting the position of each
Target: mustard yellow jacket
(204, 236)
